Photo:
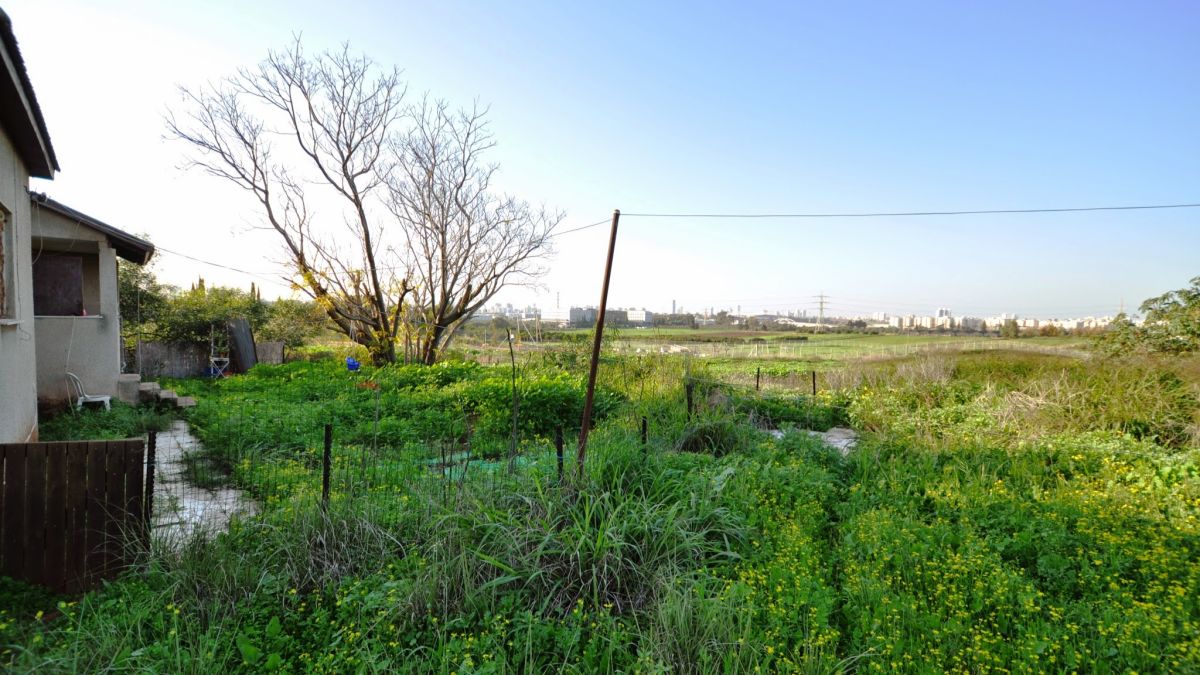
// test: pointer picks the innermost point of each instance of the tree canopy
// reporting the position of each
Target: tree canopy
(1171, 325)
(410, 239)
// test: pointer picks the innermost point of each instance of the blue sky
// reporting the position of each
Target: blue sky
(710, 107)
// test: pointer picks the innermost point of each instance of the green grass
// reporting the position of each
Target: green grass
(122, 421)
(1013, 512)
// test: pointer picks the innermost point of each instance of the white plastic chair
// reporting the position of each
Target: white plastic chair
(81, 397)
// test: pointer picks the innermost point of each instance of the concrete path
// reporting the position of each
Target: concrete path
(182, 509)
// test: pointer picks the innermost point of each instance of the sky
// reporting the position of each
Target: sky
(739, 108)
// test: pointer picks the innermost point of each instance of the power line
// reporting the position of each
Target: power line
(912, 213)
(209, 262)
(583, 227)
(381, 268)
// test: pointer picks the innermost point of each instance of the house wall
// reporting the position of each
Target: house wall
(88, 346)
(18, 393)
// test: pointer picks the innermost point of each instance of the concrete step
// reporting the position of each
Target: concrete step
(168, 397)
(148, 392)
(127, 388)
(185, 402)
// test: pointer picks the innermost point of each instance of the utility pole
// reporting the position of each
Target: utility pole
(821, 312)
(585, 425)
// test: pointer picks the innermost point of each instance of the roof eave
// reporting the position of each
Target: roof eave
(20, 113)
(131, 248)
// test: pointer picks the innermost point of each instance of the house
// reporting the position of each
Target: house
(77, 325)
(25, 151)
(58, 275)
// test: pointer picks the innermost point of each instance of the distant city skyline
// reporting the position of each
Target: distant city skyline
(831, 314)
(666, 108)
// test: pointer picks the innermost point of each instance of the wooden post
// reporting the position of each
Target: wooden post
(645, 446)
(326, 461)
(585, 426)
(558, 450)
(148, 498)
(814, 383)
(757, 378)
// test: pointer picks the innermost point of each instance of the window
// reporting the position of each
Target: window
(8, 265)
(58, 285)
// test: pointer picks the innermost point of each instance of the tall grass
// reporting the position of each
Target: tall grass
(122, 421)
(1025, 513)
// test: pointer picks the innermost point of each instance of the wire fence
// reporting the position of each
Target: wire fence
(251, 459)
(248, 466)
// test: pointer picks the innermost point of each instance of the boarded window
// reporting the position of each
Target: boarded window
(58, 285)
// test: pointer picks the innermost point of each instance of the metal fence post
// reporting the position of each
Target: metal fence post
(326, 461)
(558, 449)
(148, 495)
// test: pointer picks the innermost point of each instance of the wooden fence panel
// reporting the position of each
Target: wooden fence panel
(93, 529)
(132, 512)
(114, 501)
(14, 510)
(35, 512)
(54, 563)
(75, 557)
(70, 511)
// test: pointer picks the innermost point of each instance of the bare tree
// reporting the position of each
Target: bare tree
(428, 243)
(462, 242)
(336, 116)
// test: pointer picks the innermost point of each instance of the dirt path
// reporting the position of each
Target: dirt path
(182, 509)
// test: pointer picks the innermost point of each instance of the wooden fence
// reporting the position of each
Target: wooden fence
(70, 511)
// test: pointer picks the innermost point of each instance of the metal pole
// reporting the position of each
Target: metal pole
(148, 503)
(585, 425)
(512, 448)
(814, 383)
(326, 460)
(757, 377)
(558, 449)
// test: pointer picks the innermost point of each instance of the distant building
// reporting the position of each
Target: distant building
(640, 317)
(575, 317)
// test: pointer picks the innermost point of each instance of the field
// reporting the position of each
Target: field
(781, 350)
(1006, 510)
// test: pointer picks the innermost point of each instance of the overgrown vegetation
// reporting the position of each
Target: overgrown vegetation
(151, 310)
(1171, 325)
(1005, 512)
(122, 421)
